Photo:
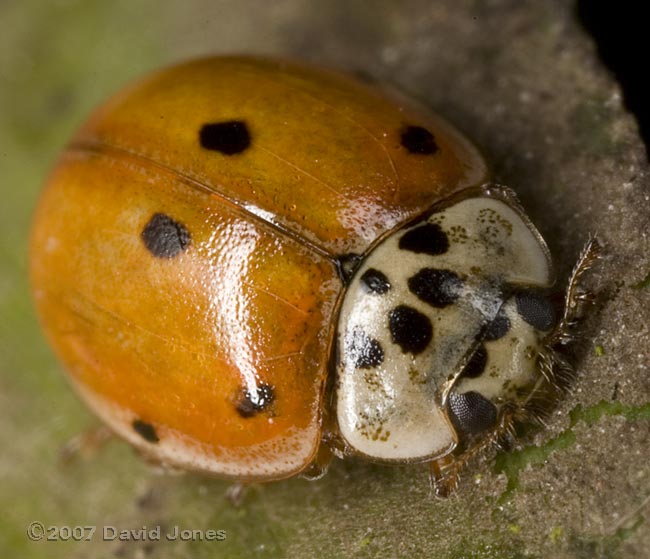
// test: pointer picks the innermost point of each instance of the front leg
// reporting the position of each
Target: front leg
(444, 473)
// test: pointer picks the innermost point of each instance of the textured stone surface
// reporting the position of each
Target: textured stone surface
(524, 82)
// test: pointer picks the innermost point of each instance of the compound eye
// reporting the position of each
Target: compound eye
(536, 310)
(471, 413)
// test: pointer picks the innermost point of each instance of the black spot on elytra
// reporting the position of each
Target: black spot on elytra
(375, 281)
(497, 328)
(145, 430)
(409, 329)
(438, 288)
(252, 403)
(164, 237)
(418, 140)
(229, 137)
(471, 413)
(366, 352)
(535, 309)
(476, 364)
(425, 239)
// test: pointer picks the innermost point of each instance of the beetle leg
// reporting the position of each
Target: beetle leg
(445, 472)
(444, 475)
(236, 493)
(85, 444)
(320, 464)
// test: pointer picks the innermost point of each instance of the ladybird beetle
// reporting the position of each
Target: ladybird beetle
(248, 265)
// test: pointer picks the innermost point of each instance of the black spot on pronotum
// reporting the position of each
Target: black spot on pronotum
(438, 288)
(229, 137)
(164, 237)
(418, 140)
(497, 328)
(366, 352)
(409, 329)
(425, 239)
(251, 403)
(476, 364)
(145, 430)
(535, 309)
(471, 413)
(375, 281)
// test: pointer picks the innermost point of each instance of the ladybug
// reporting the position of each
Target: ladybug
(250, 265)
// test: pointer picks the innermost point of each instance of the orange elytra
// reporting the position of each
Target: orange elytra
(194, 245)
